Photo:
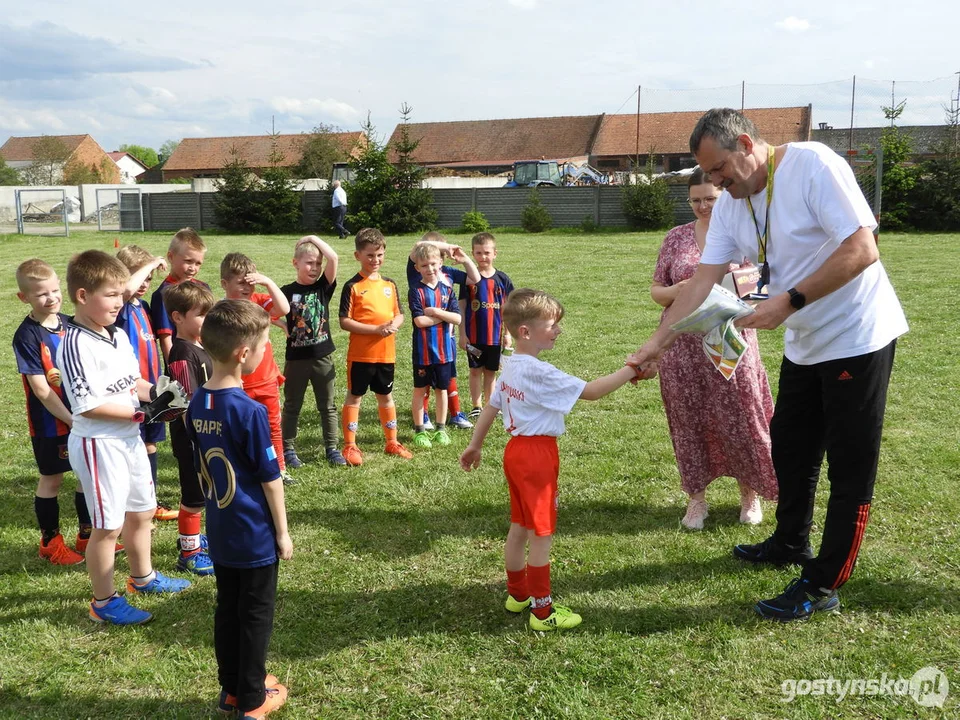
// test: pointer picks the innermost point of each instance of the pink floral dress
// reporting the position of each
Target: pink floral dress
(718, 427)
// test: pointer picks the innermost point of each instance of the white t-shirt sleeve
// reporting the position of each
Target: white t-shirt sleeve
(85, 381)
(836, 200)
(558, 391)
(495, 395)
(721, 245)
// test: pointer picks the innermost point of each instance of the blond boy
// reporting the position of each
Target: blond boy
(184, 257)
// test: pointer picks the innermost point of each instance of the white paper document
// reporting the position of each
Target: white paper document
(722, 342)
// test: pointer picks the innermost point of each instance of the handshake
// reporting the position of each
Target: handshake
(168, 401)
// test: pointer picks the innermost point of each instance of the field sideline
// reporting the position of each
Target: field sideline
(392, 604)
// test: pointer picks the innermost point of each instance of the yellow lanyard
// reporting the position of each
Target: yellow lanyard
(762, 241)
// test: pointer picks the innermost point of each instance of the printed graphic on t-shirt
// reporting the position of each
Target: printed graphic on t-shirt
(309, 327)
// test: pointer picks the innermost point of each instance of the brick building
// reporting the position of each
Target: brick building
(83, 149)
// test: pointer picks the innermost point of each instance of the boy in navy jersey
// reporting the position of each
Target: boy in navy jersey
(246, 517)
(134, 320)
(35, 346)
(190, 365)
(184, 256)
(433, 304)
(453, 277)
(482, 333)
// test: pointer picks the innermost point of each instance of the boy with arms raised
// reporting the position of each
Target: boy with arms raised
(35, 346)
(184, 256)
(370, 312)
(239, 278)
(246, 514)
(189, 364)
(102, 381)
(534, 397)
(453, 277)
(433, 305)
(309, 358)
(134, 320)
(482, 329)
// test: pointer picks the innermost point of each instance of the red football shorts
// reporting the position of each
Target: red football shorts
(532, 466)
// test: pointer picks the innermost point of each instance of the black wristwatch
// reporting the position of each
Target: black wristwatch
(797, 298)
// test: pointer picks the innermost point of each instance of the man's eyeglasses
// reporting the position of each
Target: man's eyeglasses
(708, 201)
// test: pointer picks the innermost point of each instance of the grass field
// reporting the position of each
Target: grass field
(392, 604)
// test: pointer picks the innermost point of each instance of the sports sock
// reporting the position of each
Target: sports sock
(83, 513)
(144, 579)
(538, 580)
(388, 419)
(426, 403)
(188, 525)
(48, 516)
(350, 419)
(517, 584)
(453, 398)
(152, 457)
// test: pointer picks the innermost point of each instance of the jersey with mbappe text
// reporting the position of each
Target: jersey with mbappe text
(234, 457)
(98, 369)
(35, 348)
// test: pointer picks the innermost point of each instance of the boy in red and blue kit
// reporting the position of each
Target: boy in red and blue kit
(184, 257)
(482, 333)
(48, 413)
(246, 515)
(134, 321)
(433, 305)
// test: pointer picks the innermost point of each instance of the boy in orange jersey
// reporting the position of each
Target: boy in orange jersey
(370, 312)
(239, 278)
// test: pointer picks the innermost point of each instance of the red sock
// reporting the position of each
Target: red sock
(538, 580)
(426, 402)
(188, 525)
(388, 420)
(453, 398)
(517, 584)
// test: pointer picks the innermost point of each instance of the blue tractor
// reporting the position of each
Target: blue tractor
(535, 173)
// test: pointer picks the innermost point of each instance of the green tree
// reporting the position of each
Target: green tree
(166, 150)
(372, 181)
(646, 201)
(8, 175)
(320, 150)
(935, 199)
(146, 155)
(898, 178)
(234, 190)
(535, 217)
(277, 206)
(50, 155)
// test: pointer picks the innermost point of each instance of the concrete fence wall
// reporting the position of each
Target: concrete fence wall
(46, 197)
(502, 207)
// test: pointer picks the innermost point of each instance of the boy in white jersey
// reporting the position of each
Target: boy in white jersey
(534, 397)
(101, 377)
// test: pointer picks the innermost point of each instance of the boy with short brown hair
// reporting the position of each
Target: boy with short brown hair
(35, 346)
(239, 278)
(184, 258)
(370, 312)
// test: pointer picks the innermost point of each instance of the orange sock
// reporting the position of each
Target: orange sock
(350, 419)
(517, 584)
(426, 402)
(538, 580)
(388, 419)
(453, 398)
(188, 525)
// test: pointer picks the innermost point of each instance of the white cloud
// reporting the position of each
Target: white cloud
(793, 24)
(869, 64)
(523, 4)
(314, 108)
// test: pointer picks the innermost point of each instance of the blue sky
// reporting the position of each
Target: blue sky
(145, 73)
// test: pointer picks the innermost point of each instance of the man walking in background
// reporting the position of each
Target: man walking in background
(339, 202)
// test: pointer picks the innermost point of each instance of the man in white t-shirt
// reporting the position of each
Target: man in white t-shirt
(339, 203)
(815, 245)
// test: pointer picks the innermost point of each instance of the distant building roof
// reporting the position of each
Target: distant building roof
(20, 149)
(502, 141)
(117, 155)
(669, 133)
(216, 152)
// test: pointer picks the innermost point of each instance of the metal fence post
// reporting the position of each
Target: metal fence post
(596, 204)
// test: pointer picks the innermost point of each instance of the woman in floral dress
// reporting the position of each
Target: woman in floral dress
(719, 427)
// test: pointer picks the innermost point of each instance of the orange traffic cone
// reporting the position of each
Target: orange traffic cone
(116, 243)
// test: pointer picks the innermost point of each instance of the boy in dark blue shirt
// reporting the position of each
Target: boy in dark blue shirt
(246, 516)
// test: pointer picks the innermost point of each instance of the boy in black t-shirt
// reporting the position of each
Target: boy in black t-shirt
(189, 364)
(309, 356)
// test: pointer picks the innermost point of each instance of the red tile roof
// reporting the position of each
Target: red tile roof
(116, 155)
(669, 133)
(216, 152)
(21, 148)
(501, 141)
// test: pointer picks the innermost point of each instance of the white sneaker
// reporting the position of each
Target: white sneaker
(427, 425)
(696, 514)
(750, 511)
